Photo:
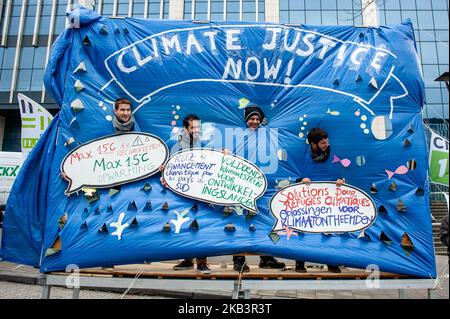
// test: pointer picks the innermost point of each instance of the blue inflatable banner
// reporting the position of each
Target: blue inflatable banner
(223, 156)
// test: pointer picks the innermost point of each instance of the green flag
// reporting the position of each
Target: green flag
(438, 159)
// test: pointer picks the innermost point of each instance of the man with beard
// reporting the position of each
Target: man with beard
(189, 139)
(320, 152)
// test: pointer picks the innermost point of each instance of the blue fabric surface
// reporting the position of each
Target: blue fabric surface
(328, 85)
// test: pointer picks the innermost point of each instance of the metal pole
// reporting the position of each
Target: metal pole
(18, 50)
(6, 23)
(51, 30)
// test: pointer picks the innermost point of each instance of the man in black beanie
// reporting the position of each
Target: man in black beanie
(254, 117)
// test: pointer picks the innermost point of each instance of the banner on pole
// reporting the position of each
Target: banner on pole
(438, 159)
(35, 119)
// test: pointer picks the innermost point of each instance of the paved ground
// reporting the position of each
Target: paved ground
(22, 282)
(10, 290)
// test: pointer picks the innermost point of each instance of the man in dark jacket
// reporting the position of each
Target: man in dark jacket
(320, 152)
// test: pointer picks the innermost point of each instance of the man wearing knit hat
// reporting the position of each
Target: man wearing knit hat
(254, 117)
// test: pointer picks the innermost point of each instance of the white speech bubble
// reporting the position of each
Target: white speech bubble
(114, 160)
(322, 207)
(212, 177)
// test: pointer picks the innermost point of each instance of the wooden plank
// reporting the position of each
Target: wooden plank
(165, 271)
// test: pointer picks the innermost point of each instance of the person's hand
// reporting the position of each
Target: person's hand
(225, 151)
(306, 181)
(161, 167)
(340, 182)
(64, 175)
(163, 182)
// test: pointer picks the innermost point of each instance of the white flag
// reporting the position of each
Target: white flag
(35, 119)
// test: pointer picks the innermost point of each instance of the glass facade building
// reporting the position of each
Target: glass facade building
(29, 27)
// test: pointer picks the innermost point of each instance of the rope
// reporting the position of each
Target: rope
(133, 282)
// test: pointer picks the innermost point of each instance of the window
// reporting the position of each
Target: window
(313, 17)
(24, 80)
(429, 55)
(329, 17)
(5, 80)
(319, 12)
(312, 5)
(37, 79)
(408, 4)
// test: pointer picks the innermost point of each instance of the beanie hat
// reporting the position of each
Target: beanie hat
(253, 110)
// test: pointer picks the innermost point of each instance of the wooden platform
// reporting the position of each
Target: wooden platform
(163, 270)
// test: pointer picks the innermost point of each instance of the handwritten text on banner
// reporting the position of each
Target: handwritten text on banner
(212, 177)
(114, 160)
(322, 207)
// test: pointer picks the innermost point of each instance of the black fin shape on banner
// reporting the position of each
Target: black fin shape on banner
(373, 84)
(146, 188)
(230, 228)
(373, 189)
(401, 207)
(336, 82)
(97, 211)
(113, 191)
(359, 78)
(103, 229)
(84, 226)
(407, 244)
(420, 191)
(194, 207)
(165, 206)
(274, 237)
(103, 30)
(148, 206)
(85, 213)
(382, 209)
(109, 210)
(134, 223)
(51, 251)
(411, 129)
(251, 227)
(166, 228)
(164, 190)
(248, 217)
(132, 206)
(125, 30)
(406, 241)
(227, 211)
(194, 225)
(74, 123)
(363, 235)
(393, 187)
(117, 31)
(95, 197)
(406, 143)
(86, 41)
(385, 238)
(252, 213)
